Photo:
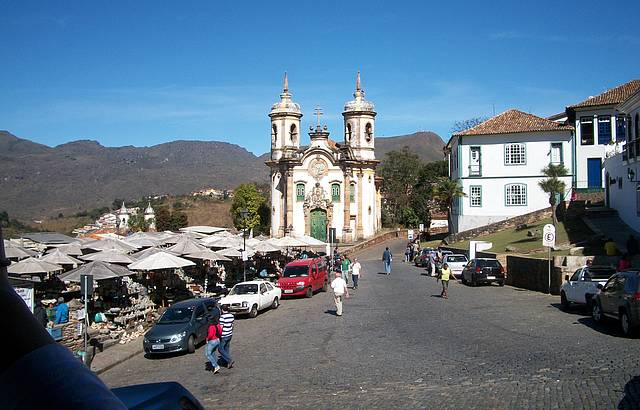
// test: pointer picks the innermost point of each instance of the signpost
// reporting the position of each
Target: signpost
(410, 234)
(86, 288)
(549, 240)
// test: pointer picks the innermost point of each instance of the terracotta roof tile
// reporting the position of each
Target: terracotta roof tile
(613, 96)
(514, 121)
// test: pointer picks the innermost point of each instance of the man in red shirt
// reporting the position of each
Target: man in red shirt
(213, 341)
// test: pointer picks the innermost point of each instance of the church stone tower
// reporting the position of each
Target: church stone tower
(123, 218)
(150, 218)
(285, 125)
(359, 124)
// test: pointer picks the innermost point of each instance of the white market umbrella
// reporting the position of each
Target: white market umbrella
(17, 252)
(160, 260)
(109, 244)
(311, 241)
(147, 252)
(224, 234)
(225, 243)
(60, 258)
(110, 256)
(186, 245)
(288, 242)
(231, 252)
(253, 241)
(207, 255)
(99, 270)
(143, 242)
(32, 265)
(265, 247)
(72, 249)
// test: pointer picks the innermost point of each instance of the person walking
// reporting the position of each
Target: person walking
(340, 291)
(407, 253)
(387, 258)
(445, 275)
(346, 264)
(226, 321)
(355, 272)
(213, 342)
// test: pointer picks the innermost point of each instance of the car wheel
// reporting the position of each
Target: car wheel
(275, 303)
(325, 286)
(191, 344)
(464, 281)
(564, 302)
(309, 292)
(625, 324)
(596, 312)
(254, 311)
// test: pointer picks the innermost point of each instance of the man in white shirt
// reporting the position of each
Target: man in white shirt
(340, 291)
(355, 272)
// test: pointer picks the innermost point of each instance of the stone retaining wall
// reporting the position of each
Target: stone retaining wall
(533, 274)
(402, 233)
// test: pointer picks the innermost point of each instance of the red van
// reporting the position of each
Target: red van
(304, 277)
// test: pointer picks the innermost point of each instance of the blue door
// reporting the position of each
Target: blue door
(594, 172)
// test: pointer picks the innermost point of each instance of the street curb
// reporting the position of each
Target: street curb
(119, 361)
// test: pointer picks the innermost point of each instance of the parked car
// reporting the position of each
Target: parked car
(456, 263)
(251, 297)
(583, 285)
(422, 260)
(181, 327)
(304, 277)
(619, 299)
(483, 270)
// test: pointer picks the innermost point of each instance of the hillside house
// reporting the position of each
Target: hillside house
(498, 164)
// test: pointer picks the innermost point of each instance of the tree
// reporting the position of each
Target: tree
(464, 125)
(445, 192)
(553, 186)
(400, 173)
(178, 220)
(249, 197)
(163, 219)
(137, 223)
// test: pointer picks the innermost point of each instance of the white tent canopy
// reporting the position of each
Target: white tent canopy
(99, 270)
(60, 258)
(111, 256)
(265, 247)
(72, 249)
(207, 255)
(160, 260)
(109, 244)
(186, 245)
(31, 266)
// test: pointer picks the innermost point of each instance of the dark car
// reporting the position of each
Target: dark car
(182, 326)
(422, 260)
(483, 270)
(619, 299)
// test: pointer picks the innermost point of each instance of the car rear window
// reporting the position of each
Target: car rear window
(488, 263)
(454, 258)
(600, 273)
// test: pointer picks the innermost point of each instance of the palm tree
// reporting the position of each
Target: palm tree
(445, 191)
(553, 186)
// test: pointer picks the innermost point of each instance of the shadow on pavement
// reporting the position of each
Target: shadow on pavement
(609, 327)
(631, 398)
(580, 310)
(331, 312)
(163, 355)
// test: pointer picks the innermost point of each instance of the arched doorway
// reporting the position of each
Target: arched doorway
(319, 224)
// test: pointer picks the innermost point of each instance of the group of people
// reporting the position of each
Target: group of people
(52, 315)
(219, 336)
(340, 284)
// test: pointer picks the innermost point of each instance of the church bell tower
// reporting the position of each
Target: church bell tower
(285, 125)
(359, 124)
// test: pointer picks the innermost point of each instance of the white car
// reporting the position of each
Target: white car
(248, 298)
(456, 263)
(583, 285)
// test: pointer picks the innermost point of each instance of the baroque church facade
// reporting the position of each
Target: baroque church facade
(327, 184)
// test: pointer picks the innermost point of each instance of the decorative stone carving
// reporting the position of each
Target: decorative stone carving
(318, 198)
(318, 168)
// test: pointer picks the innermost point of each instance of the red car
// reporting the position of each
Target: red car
(304, 277)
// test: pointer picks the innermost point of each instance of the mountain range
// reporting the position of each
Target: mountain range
(38, 181)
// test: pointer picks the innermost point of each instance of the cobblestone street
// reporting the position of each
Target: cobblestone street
(399, 344)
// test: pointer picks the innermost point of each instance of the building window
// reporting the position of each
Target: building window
(475, 167)
(515, 154)
(293, 133)
(515, 195)
(604, 130)
(621, 128)
(275, 133)
(556, 153)
(368, 132)
(586, 130)
(335, 192)
(475, 195)
(352, 192)
(347, 133)
(300, 192)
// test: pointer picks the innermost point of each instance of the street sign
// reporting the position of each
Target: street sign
(421, 227)
(410, 234)
(549, 236)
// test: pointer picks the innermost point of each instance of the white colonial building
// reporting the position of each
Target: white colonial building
(621, 167)
(598, 124)
(499, 164)
(326, 184)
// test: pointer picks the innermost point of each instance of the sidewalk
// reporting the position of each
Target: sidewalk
(115, 355)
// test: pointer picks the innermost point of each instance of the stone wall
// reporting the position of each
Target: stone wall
(383, 237)
(471, 234)
(533, 274)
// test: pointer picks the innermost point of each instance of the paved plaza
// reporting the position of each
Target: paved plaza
(399, 344)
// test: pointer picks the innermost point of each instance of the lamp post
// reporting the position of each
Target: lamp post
(243, 214)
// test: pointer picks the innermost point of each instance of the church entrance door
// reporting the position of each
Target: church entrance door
(319, 224)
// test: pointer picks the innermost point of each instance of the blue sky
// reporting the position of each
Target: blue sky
(146, 72)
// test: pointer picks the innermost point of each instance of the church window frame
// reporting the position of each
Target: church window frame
(368, 132)
(300, 191)
(274, 133)
(348, 132)
(352, 192)
(335, 192)
(293, 133)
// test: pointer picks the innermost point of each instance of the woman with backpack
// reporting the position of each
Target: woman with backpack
(214, 333)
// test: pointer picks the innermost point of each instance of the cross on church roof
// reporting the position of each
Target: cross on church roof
(318, 114)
